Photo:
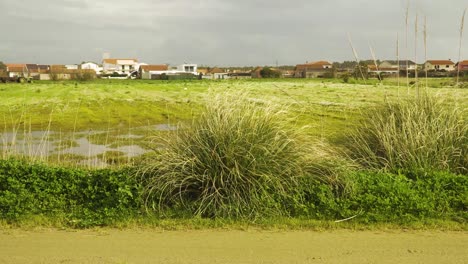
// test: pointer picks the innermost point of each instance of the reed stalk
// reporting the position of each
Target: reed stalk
(416, 54)
(460, 46)
(398, 63)
(425, 48)
(356, 57)
(406, 45)
(375, 61)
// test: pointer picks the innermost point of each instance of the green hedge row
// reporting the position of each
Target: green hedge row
(84, 198)
(380, 197)
(80, 197)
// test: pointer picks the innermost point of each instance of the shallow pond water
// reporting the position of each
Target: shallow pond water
(124, 144)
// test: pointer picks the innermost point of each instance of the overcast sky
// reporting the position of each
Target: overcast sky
(224, 32)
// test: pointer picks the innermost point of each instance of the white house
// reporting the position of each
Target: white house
(439, 65)
(189, 68)
(122, 66)
(91, 66)
(15, 70)
(389, 64)
(146, 71)
(71, 66)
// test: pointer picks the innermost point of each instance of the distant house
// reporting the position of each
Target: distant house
(202, 70)
(72, 66)
(121, 66)
(43, 68)
(58, 68)
(313, 69)
(158, 72)
(56, 72)
(240, 75)
(439, 65)
(145, 71)
(61, 72)
(287, 73)
(462, 65)
(402, 64)
(378, 70)
(188, 68)
(91, 66)
(217, 74)
(35, 70)
(15, 70)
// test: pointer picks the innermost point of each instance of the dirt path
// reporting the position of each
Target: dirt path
(209, 246)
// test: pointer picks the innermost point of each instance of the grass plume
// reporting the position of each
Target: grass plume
(238, 159)
(420, 134)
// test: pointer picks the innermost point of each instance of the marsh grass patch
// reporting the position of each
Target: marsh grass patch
(417, 135)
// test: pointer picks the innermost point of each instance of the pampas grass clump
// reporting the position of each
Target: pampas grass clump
(239, 159)
(419, 135)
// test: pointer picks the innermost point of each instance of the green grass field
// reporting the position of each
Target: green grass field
(328, 106)
(110, 110)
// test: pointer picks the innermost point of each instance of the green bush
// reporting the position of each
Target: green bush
(416, 136)
(80, 197)
(383, 197)
(268, 72)
(238, 159)
(396, 198)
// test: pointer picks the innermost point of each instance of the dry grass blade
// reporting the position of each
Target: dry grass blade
(398, 63)
(406, 45)
(416, 54)
(462, 24)
(375, 62)
(425, 49)
(356, 57)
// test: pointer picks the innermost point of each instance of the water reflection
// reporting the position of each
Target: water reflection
(47, 143)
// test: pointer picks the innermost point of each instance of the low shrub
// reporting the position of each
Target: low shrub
(384, 197)
(396, 198)
(415, 136)
(80, 197)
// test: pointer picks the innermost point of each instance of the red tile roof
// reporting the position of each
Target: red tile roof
(17, 69)
(216, 70)
(114, 61)
(463, 65)
(161, 67)
(316, 65)
(440, 62)
(15, 65)
(319, 63)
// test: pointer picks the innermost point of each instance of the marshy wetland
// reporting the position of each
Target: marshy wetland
(60, 121)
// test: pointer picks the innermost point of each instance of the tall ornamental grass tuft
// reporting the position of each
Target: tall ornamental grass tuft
(239, 159)
(417, 135)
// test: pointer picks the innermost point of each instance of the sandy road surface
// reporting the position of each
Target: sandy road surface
(213, 246)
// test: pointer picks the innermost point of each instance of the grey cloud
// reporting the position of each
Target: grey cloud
(221, 32)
